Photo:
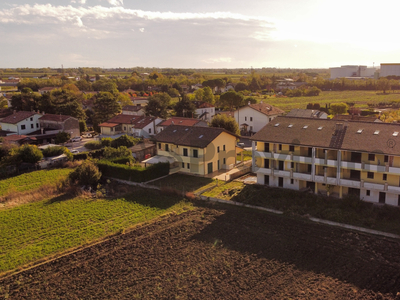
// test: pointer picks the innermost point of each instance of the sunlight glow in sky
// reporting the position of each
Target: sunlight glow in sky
(208, 34)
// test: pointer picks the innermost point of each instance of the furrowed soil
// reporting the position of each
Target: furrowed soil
(219, 252)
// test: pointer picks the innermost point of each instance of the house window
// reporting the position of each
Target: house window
(384, 177)
(266, 147)
(309, 168)
(166, 147)
(371, 157)
(368, 193)
(185, 152)
(251, 119)
(37, 125)
(224, 161)
(245, 118)
(370, 175)
(218, 149)
(386, 158)
(280, 147)
(188, 165)
(23, 127)
(31, 119)
(195, 153)
(291, 148)
(292, 165)
(149, 130)
(291, 181)
(32, 126)
(398, 200)
(124, 127)
(159, 145)
(183, 165)
(223, 147)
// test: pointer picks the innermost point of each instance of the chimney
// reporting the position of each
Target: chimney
(339, 126)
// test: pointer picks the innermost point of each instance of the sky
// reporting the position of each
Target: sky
(198, 34)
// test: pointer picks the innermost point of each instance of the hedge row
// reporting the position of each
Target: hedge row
(86, 155)
(122, 160)
(136, 174)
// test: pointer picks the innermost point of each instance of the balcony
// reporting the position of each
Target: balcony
(352, 165)
(328, 162)
(302, 176)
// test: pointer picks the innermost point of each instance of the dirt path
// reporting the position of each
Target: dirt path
(229, 253)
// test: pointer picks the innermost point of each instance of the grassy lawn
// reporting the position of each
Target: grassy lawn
(361, 98)
(183, 182)
(225, 190)
(32, 180)
(247, 155)
(34, 231)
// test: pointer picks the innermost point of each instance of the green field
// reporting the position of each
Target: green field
(34, 231)
(183, 182)
(32, 180)
(361, 98)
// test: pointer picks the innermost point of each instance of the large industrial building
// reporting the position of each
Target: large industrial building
(352, 71)
(390, 69)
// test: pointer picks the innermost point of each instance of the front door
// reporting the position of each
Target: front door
(210, 168)
(382, 197)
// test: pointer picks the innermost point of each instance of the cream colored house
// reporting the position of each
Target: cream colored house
(22, 123)
(198, 150)
(330, 157)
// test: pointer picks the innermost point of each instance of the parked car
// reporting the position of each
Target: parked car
(87, 135)
(74, 151)
(76, 139)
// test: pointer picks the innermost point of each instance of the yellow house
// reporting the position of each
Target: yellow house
(330, 157)
(198, 150)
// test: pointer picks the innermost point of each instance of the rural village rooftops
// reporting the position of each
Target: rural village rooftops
(379, 138)
(132, 108)
(138, 122)
(265, 109)
(18, 117)
(180, 121)
(190, 136)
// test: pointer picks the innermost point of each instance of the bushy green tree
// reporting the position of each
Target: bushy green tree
(185, 108)
(62, 137)
(28, 154)
(86, 174)
(228, 123)
(338, 108)
(232, 99)
(111, 152)
(124, 140)
(158, 105)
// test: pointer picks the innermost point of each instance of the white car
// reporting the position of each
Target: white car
(76, 139)
(74, 151)
(87, 135)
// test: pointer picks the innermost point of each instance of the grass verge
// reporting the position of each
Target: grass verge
(34, 231)
(183, 182)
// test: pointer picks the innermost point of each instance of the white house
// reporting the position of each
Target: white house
(204, 110)
(133, 110)
(252, 117)
(22, 123)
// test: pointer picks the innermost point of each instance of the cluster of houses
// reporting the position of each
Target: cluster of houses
(302, 150)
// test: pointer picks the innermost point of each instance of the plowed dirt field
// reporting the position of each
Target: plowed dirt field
(220, 253)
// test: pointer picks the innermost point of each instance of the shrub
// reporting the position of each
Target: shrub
(62, 137)
(136, 174)
(124, 140)
(53, 151)
(27, 153)
(106, 142)
(86, 174)
(94, 145)
(110, 152)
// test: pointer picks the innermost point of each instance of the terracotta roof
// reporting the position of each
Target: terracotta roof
(346, 135)
(265, 108)
(17, 137)
(132, 108)
(138, 122)
(106, 124)
(54, 118)
(180, 121)
(190, 136)
(18, 117)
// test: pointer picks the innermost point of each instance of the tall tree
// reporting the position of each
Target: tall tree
(208, 95)
(105, 106)
(228, 123)
(232, 99)
(158, 105)
(185, 108)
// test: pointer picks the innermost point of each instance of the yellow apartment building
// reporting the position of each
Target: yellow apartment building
(198, 150)
(330, 157)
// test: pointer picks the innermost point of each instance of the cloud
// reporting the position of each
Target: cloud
(218, 60)
(116, 2)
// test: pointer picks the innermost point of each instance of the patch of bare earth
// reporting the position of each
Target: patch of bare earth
(220, 253)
